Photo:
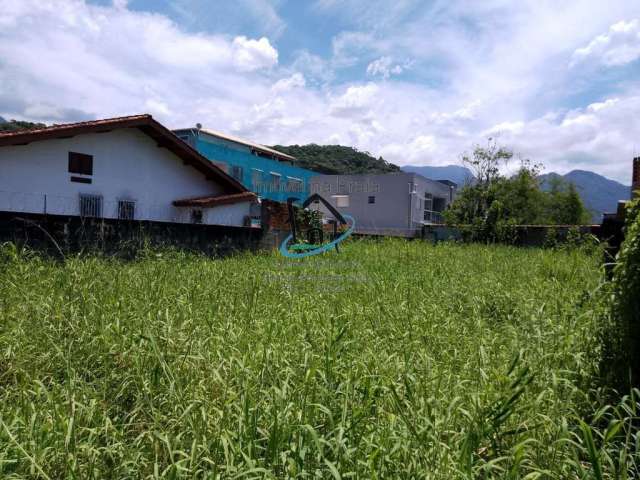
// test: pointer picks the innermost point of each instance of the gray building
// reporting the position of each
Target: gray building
(386, 204)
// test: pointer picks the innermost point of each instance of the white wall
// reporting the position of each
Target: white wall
(127, 165)
(227, 214)
(390, 212)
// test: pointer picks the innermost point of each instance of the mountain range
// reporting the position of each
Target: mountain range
(599, 194)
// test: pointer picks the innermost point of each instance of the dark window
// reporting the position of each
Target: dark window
(236, 172)
(439, 204)
(196, 216)
(126, 209)
(81, 179)
(372, 199)
(428, 201)
(275, 182)
(80, 163)
(90, 205)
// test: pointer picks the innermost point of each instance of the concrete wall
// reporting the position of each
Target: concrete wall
(390, 194)
(127, 165)
(61, 235)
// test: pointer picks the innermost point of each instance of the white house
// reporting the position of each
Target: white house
(131, 168)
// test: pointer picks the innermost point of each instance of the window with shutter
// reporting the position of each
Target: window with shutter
(80, 163)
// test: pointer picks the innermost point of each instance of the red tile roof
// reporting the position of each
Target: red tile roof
(145, 123)
(216, 200)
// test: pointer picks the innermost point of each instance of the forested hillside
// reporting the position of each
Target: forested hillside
(13, 125)
(336, 159)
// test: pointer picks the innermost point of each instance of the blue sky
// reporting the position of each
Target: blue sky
(418, 82)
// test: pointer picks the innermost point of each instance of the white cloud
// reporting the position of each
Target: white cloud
(72, 57)
(314, 66)
(417, 151)
(157, 107)
(356, 100)
(510, 127)
(598, 135)
(44, 110)
(465, 113)
(596, 107)
(385, 67)
(619, 46)
(253, 54)
(284, 84)
(480, 67)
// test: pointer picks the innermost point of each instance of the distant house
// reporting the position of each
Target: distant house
(387, 204)
(263, 170)
(128, 168)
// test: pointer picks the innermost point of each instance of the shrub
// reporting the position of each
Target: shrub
(622, 341)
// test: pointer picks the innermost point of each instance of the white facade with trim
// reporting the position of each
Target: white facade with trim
(128, 166)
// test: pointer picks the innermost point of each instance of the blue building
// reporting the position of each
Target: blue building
(263, 170)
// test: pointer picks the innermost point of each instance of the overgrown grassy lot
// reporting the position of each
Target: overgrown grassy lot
(392, 359)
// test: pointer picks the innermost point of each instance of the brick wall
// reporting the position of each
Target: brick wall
(275, 215)
(275, 224)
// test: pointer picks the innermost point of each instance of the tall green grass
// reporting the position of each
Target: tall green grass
(392, 359)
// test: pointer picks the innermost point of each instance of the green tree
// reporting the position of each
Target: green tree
(621, 341)
(521, 196)
(336, 159)
(564, 205)
(15, 125)
(491, 207)
(485, 163)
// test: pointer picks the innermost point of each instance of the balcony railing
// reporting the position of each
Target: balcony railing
(431, 216)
